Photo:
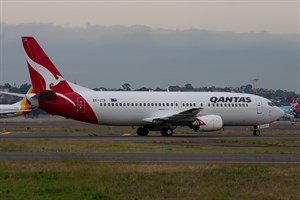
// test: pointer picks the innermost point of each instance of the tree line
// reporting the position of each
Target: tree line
(277, 96)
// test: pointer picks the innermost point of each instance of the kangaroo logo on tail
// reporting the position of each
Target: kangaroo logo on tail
(45, 73)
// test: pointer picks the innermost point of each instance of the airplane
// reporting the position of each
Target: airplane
(295, 107)
(19, 108)
(292, 110)
(287, 112)
(150, 111)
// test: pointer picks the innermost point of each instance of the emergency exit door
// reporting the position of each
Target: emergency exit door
(259, 106)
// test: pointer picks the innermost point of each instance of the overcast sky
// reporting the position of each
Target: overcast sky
(221, 43)
(276, 16)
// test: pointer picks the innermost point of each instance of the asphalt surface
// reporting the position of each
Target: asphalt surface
(191, 139)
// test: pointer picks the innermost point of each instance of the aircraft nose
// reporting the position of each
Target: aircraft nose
(278, 113)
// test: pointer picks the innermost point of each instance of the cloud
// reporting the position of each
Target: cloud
(96, 56)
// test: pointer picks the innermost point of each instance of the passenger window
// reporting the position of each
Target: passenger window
(108, 104)
(136, 104)
(163, 104)
(101, 104)
(104, 104)
(172, 104)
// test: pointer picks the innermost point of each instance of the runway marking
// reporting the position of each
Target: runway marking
(5, 133)
(126, 134)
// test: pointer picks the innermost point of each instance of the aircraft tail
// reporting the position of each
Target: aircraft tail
(52, 92)
(43, 73)
(24, 105)
(292, 100)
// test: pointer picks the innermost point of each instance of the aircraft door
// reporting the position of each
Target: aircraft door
(259, 106)
(80, 105)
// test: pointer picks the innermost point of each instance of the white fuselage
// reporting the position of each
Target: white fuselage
(12, 110)
(134, 108)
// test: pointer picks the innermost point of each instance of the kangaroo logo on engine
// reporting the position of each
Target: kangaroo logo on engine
(230, 99)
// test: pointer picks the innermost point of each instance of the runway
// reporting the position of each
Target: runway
(280, 130)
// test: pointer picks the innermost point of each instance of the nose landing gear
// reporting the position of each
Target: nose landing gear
(256, 131)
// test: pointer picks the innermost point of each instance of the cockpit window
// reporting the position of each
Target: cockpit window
(271, 104)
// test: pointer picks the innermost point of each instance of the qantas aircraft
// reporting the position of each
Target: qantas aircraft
(151, 111)
(19, 108)
(295, 107)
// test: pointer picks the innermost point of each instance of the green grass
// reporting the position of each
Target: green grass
(207, 145)
(69, 179)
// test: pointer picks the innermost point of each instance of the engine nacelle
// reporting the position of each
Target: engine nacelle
(207, 123)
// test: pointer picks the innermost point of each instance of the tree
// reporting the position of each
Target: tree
(126, 87)
(174, 88)
(188, 86)
(24, 88)
(248, 88)
(7, 86)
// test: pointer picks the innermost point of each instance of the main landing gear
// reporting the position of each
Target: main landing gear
(144, 131)
(166, 132)
(256, 131)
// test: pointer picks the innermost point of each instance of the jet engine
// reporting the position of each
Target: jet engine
(207, 123)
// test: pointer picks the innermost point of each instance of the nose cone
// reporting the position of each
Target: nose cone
(277, 113)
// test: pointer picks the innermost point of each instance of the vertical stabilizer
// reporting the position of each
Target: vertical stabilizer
(43, 74)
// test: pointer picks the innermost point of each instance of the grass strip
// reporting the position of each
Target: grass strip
(69, 179)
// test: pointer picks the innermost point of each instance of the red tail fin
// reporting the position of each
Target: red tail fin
(292, 99)
(43, 74)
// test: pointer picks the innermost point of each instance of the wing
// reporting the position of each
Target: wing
(12, 113)
(13, 94)
(181, 117)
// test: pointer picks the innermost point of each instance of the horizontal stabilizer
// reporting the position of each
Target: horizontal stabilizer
(47, 95)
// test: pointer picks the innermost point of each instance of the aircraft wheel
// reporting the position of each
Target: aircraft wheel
(256, 132)
(142, 131)
(166, 132)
